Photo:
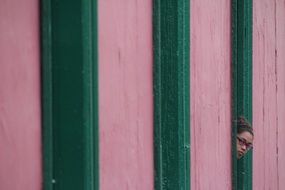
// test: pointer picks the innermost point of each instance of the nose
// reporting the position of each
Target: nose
(243, 147)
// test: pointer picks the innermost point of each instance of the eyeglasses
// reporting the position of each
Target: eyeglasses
(243, 142)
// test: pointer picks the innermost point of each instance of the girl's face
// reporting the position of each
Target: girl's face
(244, 143)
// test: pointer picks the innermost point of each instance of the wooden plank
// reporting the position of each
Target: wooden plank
(125, 94)
(269, 106)
(210, 95)
(244, 167)
(70, 91)
(241, 86)
(171, 90)
(20, 106)
(46, 76)
(280, 72)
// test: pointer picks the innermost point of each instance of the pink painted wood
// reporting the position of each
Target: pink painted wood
(125, 95)
(210, 95)
(268, 94)
(280, 60)
(20, 127)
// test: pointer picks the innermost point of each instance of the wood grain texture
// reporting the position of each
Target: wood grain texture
(125, 94)
(20, 114)
(210, 95)
(268, 93)
(171, 94)
(241, 86)
(280, 72)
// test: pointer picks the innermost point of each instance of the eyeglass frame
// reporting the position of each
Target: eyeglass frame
(242, 142)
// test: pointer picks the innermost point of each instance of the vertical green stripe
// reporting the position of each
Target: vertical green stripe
(46, 77)
(70, 113)
(171, 89)
(242, 85)
(90, 74)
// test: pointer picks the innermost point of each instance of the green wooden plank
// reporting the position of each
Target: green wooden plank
(70, 113)
(46, 77)
(242, 85)
(171, 89)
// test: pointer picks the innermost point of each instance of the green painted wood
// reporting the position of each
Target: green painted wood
(70, 107)
(46, 99)
(242, 85)
(171, 90)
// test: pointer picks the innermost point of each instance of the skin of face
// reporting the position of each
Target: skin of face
(241, 149)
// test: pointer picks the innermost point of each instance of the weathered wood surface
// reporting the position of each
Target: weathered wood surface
(210, 95)
(125, 94)
(269, 94)
(20, 125)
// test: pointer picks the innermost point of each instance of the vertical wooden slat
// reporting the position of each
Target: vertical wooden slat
(241, 85)
(70, 94)
(20, 109)
(280, 88)
(268, 93)
(125, 94)
(46, 75)
(210, 94)
(171, 89)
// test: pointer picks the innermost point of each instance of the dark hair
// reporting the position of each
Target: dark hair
(243, 125)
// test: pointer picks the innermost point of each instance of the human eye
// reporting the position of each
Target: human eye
(244, 141)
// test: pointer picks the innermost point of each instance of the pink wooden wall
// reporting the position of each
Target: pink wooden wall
(269, 94)
(210, 95)
(125, 94)
(20, 144)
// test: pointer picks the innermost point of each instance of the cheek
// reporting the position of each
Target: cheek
(238, 147)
